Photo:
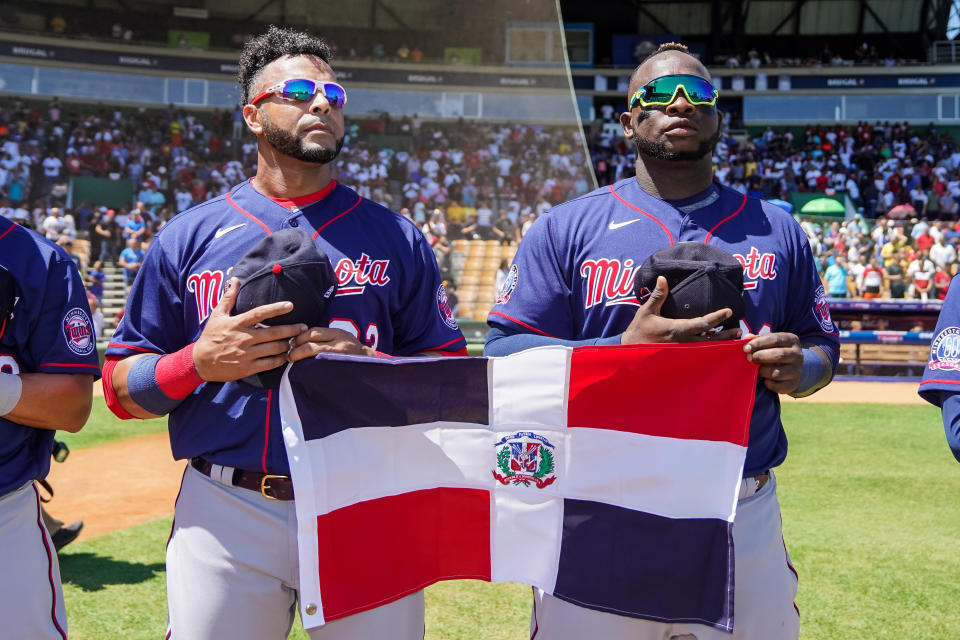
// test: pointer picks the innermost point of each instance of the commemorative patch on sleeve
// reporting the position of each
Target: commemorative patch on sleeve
(821, 311)
(443, 306)
(509, 284)
(78, 332)
(945, 350)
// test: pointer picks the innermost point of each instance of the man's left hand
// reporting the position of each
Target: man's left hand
(780, 358)
(326, 340)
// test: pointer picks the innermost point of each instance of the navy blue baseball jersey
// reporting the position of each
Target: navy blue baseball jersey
(50, 332)
(390, 297)
(941, 377)
(573, 276)
(943, 368)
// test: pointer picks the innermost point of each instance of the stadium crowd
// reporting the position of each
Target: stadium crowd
(903, 181)
(463, 179)
(488, 181)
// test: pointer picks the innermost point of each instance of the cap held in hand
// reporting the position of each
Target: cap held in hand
(701, 279)
(286, 265)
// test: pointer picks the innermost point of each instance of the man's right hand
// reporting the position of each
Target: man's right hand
(649, 326)
(234, 347)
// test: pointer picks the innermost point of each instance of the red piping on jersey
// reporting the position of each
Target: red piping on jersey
(109, 395)
(128, 346)
(3, 327)
(445, 344)
(57, 364)
(308, 199)
(266, 432)
(939, 381)
(332, 220)
(662, 226)
(12, 227)
(462, 351)
(248, 214)
(522, 324)
(739, 209)
(46, 546)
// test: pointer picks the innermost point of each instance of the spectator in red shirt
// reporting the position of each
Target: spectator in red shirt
(941, 282)
(923, 242)
(893, 183)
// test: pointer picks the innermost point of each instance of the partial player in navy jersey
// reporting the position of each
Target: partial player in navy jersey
(48, 362)
(572, 283)
(941, 378)
(232, 560)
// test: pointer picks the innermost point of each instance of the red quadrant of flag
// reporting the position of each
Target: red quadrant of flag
(405, 543)
(677, 389)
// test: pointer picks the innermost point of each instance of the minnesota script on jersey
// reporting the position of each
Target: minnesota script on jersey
(537, 468)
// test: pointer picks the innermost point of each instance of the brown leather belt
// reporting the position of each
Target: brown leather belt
(268, 485)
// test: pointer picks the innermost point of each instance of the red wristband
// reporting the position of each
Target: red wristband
(177, 375)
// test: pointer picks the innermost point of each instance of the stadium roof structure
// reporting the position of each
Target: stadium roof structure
(902, 29)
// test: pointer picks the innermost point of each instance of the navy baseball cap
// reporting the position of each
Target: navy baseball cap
(286, 265)
(700, 278)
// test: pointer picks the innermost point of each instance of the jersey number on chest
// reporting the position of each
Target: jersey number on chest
(371, 337)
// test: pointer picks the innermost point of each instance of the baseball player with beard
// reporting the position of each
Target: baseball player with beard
(232, 555)
(48, 362)
(572, 283)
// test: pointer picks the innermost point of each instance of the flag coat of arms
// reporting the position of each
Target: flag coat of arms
(606, 476)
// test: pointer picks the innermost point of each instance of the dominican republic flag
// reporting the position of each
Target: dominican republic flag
(607, 476)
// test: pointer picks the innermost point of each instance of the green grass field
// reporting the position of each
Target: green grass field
(103, 428)
(869, 496)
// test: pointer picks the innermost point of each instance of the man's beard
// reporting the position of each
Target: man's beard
(659, 151)
(291, 145)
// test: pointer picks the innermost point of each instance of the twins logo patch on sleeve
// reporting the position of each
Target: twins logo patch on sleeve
(945, 350)
(78, 332)
(443, 306)
(506, 289)
(822, 311)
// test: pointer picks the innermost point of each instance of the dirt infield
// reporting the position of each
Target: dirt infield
(119, 485)
(865, 392)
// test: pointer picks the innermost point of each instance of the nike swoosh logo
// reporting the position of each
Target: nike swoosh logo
(223, 232)
(616, 225)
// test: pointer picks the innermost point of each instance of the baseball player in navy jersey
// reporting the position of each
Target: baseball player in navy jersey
(572, 283)
(232, 557)
(48, 362)
(941, 378)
